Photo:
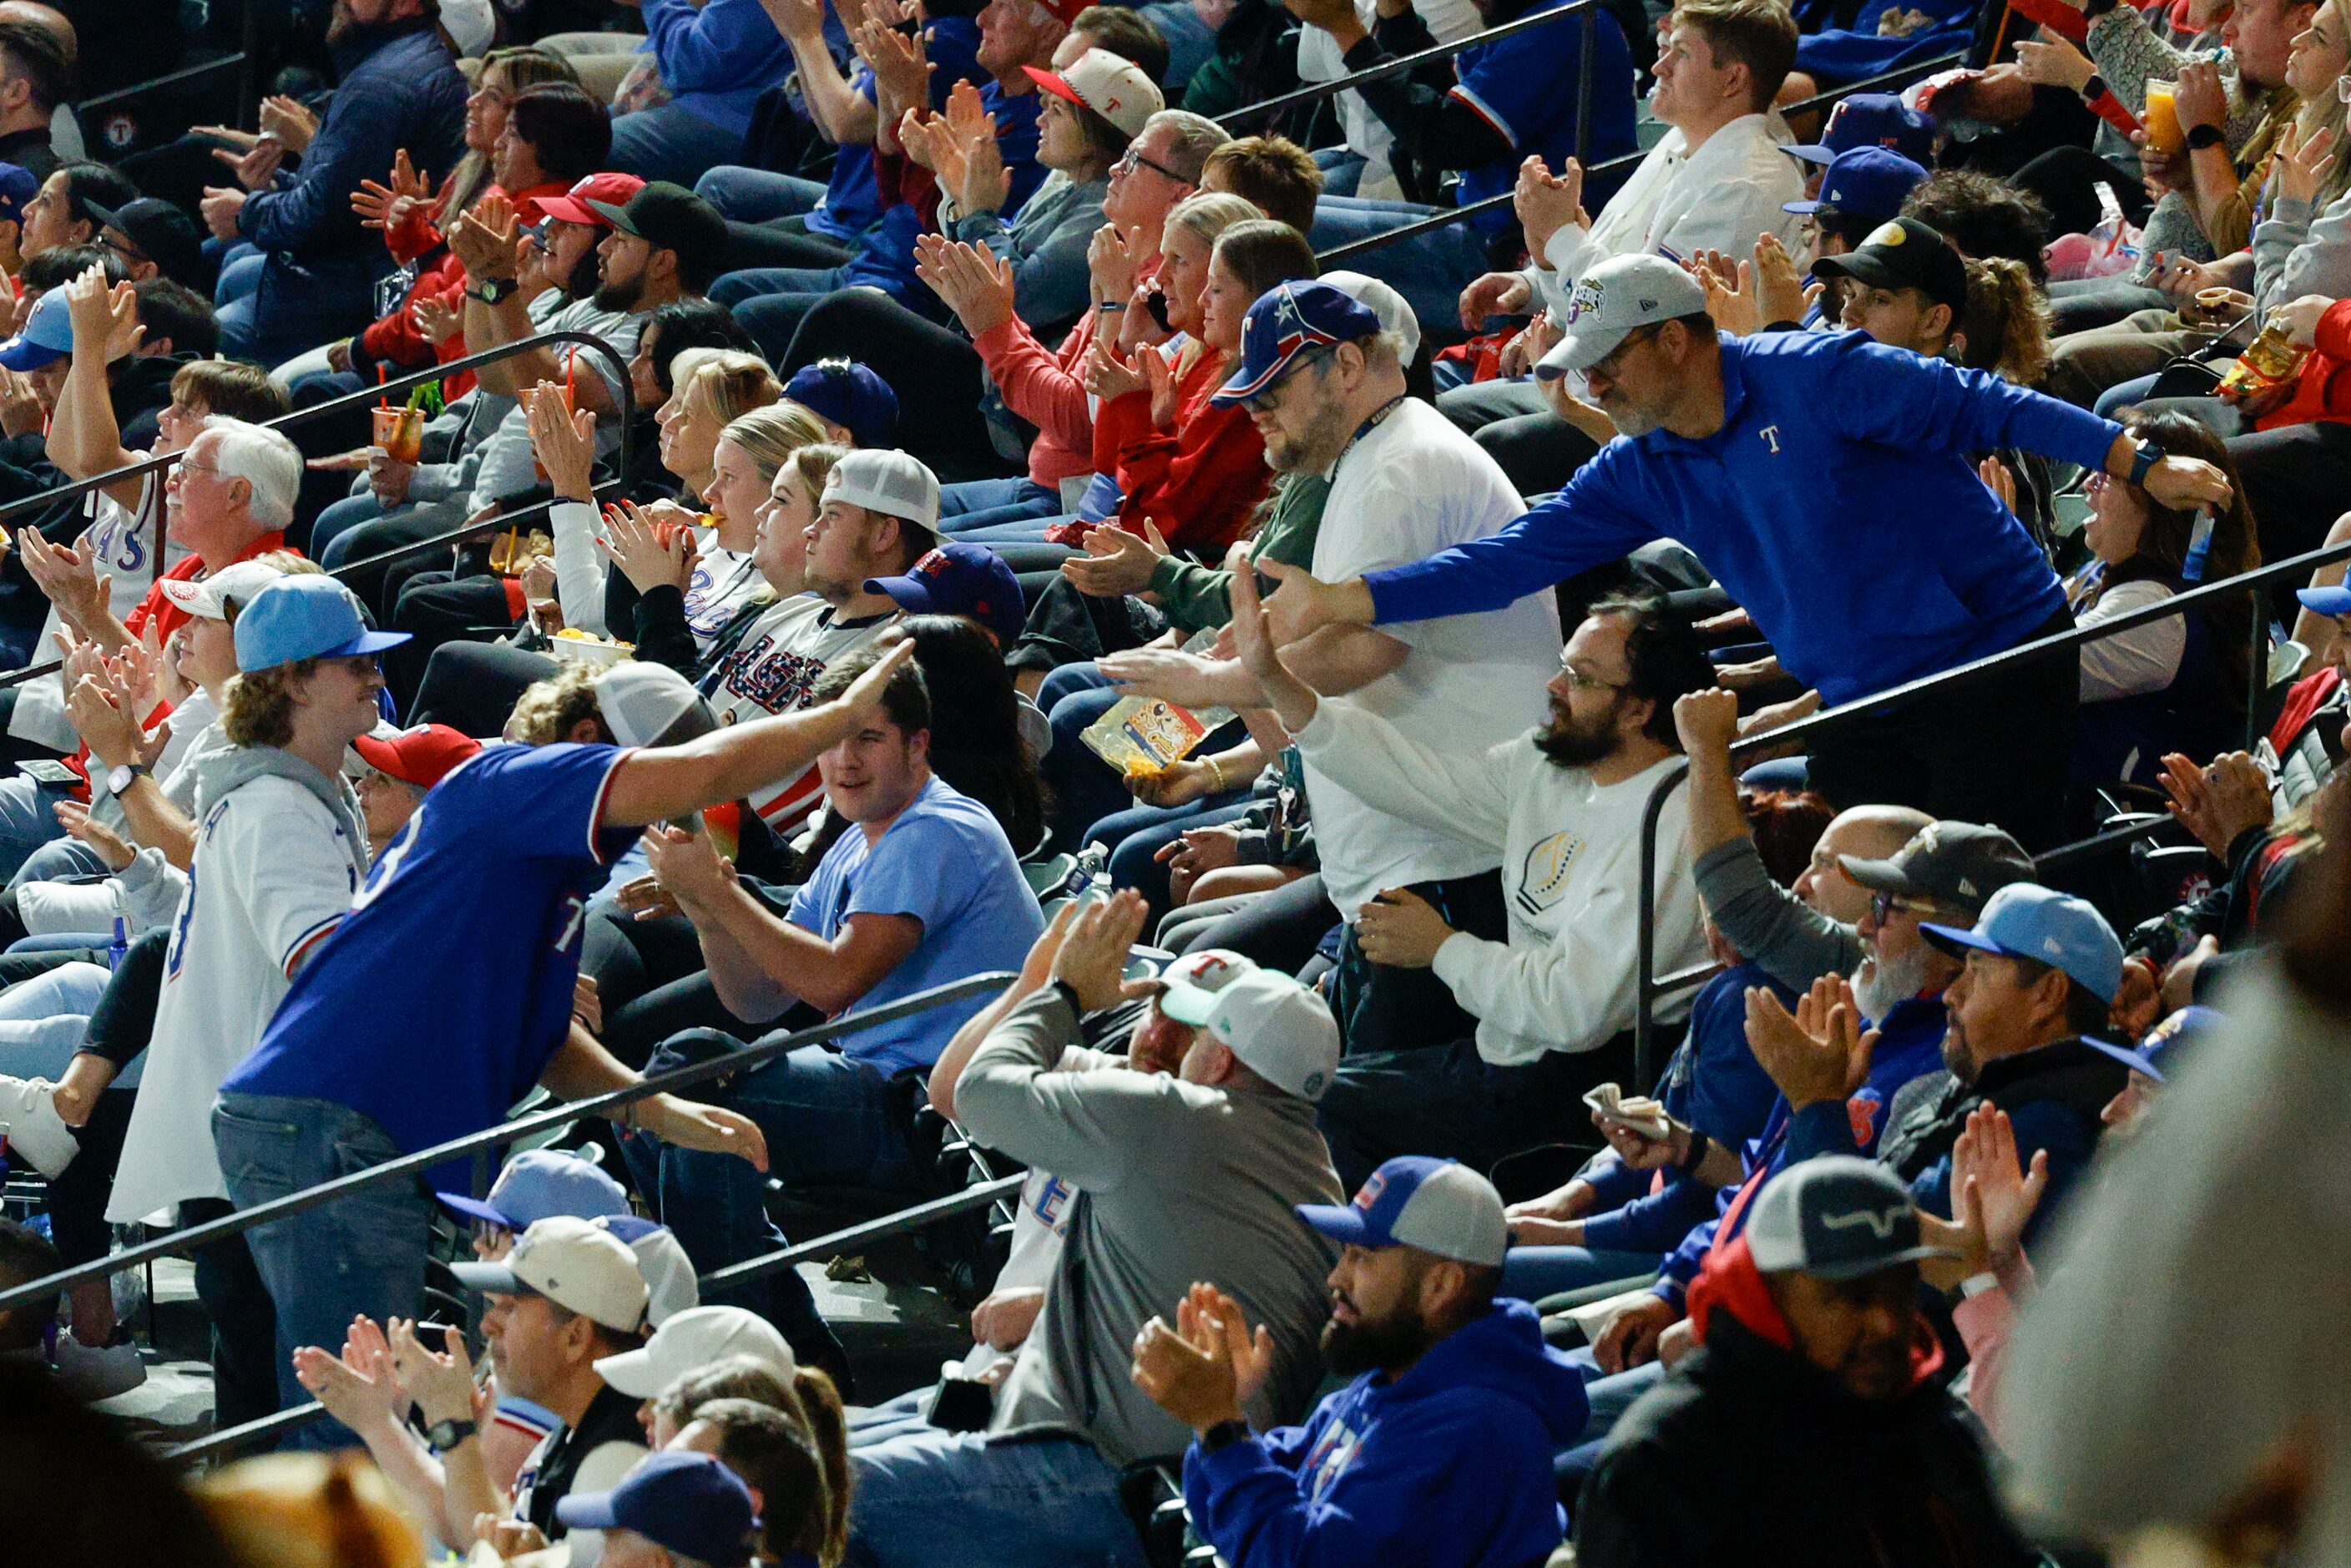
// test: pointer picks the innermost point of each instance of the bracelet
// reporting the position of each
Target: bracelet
(2199, 137)
(1216, 774)
(1108, 305)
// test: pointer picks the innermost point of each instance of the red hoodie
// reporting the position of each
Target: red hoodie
(1729, 1280)
(2322, 388)
(1200, 482)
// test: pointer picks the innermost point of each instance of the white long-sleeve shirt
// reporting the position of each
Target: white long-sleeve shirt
(2142, 659)
(1568, 979)
(1725, 196)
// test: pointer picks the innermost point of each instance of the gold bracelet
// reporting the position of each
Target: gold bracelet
(1215, 775)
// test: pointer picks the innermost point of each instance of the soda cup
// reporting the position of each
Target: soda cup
(400, 431)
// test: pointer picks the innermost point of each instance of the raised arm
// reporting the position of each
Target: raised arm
(84, 438)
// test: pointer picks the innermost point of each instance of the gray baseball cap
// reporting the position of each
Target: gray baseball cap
(1612, 301)
(1835, 1218)
(1960, 865)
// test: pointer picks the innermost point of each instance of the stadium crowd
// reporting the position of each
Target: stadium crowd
(892, 492)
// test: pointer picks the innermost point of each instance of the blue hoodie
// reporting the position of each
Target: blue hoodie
(1446, 1467)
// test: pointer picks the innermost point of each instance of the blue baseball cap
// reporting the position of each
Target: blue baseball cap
(960, 578)
(687, 1502)
(2025, 920)
(848, 393)
(47, 336)
(539, 1184)
(1835, 1218)
(18, 185)
(2157, 1052)
(311, 617)
(1868, 183)
(1871, 120)
(1414, 1200)
(2328, 602)
(1290, 319)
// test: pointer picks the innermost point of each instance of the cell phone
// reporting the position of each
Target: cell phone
(50, 775)
(1157, 303)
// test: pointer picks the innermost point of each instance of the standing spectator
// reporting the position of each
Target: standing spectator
(1779, 416)
(1439, 1452)
(37, 69)
(300, 268)
(1179, 1177)
(1809, 1426)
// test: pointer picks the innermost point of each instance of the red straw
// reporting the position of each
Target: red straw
(382, 371)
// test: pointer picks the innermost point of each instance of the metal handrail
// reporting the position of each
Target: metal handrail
(1651, 989)
(1314, 92)
(196, 1236)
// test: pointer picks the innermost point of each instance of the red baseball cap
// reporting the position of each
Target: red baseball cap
(1067, 10)
(421, 756)
(572, 206)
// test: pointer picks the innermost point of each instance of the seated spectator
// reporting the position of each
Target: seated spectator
(1438, 1450)
(1181, 1178)
(859, 408)
(299, 266)
(1562, 984)
(2176, 685)
(37, 66)
(1984, 218)
(672, 1510)
(798, 1472)
(155, 239)
(687, 102)
(531, 1185)
(19, 188)
(1859, 192)
(1271, 174)
(1814, 1384)
(920, 888)
(63, 213)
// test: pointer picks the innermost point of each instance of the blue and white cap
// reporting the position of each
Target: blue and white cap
(1288, 320)
(671, 1287)
(539, 1184)
(1835, 1218)
(1414, 1200)
(2159, 1051)
(2025, 920)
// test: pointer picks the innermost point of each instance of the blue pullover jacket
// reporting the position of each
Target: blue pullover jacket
(1446, 1467)
(716, 59)
(1837, 503)
(851, 204)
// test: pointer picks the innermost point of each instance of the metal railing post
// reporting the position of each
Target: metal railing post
(1585, 48)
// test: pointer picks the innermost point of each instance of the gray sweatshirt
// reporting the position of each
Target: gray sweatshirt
(1773, 930)
(1177, 1183)
(2298, 251)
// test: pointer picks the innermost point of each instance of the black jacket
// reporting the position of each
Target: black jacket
(1748, 1454)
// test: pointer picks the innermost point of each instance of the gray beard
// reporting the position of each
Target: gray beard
(1881, 986)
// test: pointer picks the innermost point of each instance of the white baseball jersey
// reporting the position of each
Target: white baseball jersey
(121, 541)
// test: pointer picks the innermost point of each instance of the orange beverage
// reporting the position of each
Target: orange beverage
(2163, 132)
(400, 431)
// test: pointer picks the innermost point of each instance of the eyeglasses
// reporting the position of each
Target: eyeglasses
(1607, 365)
(1578, 680)
(1263, 401)
(1882, 905)
(1132, 158)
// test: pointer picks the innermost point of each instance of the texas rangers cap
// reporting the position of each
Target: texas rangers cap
(47, 336)
(2025, 920)
(1111, 85)
(1615, 300)
(2161, 1050)
(1282, 1030)
(2328, 601)
(216, 596)
(895, 484)
(1383, 301)
(306, 617)
(670, 1283)
(1904, 254)
(570, 1262)
(1288, 320)
(1871, 120)
(692, 1340)
(422, 757)
(1835, 1218)
(960, 578)
(606, 189)
(1867, 185)
(689, 1504)
(646, 703)
(1957, 863)
(540, 1184)
(847, 393)
(1414, 1200)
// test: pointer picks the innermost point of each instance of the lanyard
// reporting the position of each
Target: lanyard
(1378, 416)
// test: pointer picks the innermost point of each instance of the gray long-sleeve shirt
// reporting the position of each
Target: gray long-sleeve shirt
(2298, 251)
(1781, 934)
(1177, 1183)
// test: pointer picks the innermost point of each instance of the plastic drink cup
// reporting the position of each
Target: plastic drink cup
(2163, 132)
(400, 431)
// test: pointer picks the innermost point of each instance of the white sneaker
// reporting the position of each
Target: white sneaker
(28, 1115)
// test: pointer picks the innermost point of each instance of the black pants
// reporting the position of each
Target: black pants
(937, 371)
(1383, 1008)
(1999, 750)
(1280, 929)
(787, 241)
(245, 1321)
(649, 978)
(437, 608)
(472, 686)
(2297, 481)
(1449, 1102)
(2066, 179)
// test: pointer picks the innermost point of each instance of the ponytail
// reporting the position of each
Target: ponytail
(828, 1426)
(2005, 326)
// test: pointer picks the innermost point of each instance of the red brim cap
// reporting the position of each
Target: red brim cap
(570, 212)
(1056, 84)
(422, 757)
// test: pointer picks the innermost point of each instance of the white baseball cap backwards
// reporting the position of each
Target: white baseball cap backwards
(661, 1259)
(471, 25)
(1615, 300)
(212, 597)
(1414, 1200)
(1281, 1030)
(572, 1263)
(890, 482)
(1111, 85)
(692, 1340)
(648, 703)
(1382, 301)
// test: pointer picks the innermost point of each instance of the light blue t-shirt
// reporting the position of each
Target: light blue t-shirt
(948, 863)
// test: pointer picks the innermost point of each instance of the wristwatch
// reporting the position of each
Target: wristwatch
(2203, 136)
(2095, 88)
(446, 1435)
(490, 291)
(2143, 460)
(1223, 1435)
(119, 778)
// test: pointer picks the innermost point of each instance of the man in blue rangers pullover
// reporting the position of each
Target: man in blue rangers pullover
(1823, 480)
(1439, 1454)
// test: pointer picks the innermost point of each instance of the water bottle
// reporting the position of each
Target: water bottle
(120, 947)
(1092, 871)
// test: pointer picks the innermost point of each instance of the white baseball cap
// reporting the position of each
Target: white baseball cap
(1382, 301)
(646, 703)
(692, 1340)
(1612, 301)
(1282, 1030)
(572, 1263)
(881, 480)
(29, 1119)
(212, 596)
(668, 1272)
(471, 26)
(1111, 85)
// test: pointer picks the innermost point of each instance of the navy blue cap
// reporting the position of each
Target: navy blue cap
(1290, 319)
(47, 336)
(687, 1502)
(960, 578)
(1871, 120)
(1835, 1218)
(848, 394)
(1868, 183)
(2158, 1052)
(18, 185)
(2025, 920)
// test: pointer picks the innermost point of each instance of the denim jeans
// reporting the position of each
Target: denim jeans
(28, 820)
(1430, 270)
(671, 143)
(1343, 169)
(1531, 1274)
(983, 503)
(753, 282)
(746, 195)
(910, 1412)
(929, 1499)
(324, 1266)
(1135, 837)
(270, 313)
(1085, 790)
(42, 1022)
(56, 861)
